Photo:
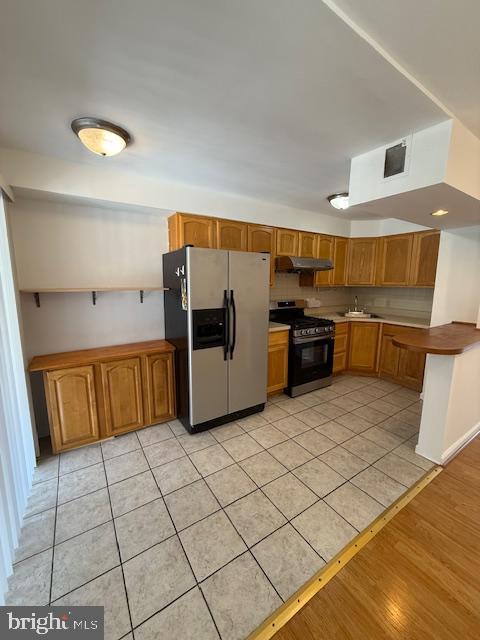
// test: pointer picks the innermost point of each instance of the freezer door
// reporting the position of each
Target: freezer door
(207, 279)
(249, 276)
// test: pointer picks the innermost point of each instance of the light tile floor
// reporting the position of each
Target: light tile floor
(204, 536)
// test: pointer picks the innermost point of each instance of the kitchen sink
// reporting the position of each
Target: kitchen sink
(358, 314)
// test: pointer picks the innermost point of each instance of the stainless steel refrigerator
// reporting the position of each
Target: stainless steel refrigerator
(216, 315)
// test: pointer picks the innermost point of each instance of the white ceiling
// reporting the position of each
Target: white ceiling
(269, 99)
(437, 41)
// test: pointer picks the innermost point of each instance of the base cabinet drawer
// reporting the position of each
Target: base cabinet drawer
(72, 407)
(277, 361)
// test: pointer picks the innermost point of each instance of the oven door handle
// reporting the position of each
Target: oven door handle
(308, 340)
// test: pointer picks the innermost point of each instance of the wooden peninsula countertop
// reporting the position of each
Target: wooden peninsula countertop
(447, 339)
(89, 356)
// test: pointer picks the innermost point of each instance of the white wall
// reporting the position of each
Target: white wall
(451, 407)
(382, 227)
(17, 455)
(427, 153)
(60, 245)
(457, 285)
(49, 175)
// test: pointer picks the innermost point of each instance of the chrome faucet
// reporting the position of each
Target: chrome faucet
(356, 303)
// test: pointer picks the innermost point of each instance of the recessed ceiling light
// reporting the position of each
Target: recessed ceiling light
(101, 137)
(439, 212)
(339, 200)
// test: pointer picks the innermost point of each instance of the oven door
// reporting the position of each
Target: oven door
(310, 360)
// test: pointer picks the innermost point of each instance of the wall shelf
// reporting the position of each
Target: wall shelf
(93, 290)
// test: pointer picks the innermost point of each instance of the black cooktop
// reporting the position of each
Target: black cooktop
(294, 316)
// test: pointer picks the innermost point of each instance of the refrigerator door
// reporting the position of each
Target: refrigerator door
(207, 278)
(249, 277)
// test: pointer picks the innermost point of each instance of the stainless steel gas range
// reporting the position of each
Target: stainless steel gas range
(310, 352)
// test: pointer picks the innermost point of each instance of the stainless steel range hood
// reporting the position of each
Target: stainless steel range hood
(292, 264)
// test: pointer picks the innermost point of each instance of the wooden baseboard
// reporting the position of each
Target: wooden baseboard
(299, 599)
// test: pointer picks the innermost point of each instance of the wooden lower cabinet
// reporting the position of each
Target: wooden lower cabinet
(399, 365)
(363, 347)
(72, 407)
(107, 394)
(160, 402)
(277, 362)
(122, 390)
(340, 348)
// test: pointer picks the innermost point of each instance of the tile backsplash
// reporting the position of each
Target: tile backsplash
(286, 287)
(403, 301)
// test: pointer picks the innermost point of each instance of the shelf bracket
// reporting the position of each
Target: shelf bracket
(94, 298)
(141, 296)
(37, 298)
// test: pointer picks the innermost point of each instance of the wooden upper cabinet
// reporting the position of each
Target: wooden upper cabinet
(184, 228)
(287, 242)
(122, 390)
(160, 401)
(72, 407)
(231, 235)
(307, 244)
(394, 260)
(325, 249)
(424, 258)
(361, 261)
(340, 256)
(363, 346)
(261, 239)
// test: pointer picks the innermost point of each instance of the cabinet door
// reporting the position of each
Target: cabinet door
(394, 260)
(424, 260)
(340, 255)
(325, 249)
(389, 356)
(72, 407)
(339, 362)
(411, 368)
(277, 361)
(262, 239)
(362, 354)
(122, 389)
(195, 230)
(287, 242)
(307, 244)
(159, 387)
(361, 261)
(231, 235)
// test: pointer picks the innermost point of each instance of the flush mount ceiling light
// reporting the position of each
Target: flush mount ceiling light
(339, 200)
(101, 137)
(439, 212)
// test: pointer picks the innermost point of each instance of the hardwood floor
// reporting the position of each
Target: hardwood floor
(419, 578)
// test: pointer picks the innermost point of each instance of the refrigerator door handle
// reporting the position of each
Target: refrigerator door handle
(234, 331)
(226, 305)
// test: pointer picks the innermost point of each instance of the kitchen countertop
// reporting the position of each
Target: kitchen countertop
(276, 326)
(406, 321)
(447, 339)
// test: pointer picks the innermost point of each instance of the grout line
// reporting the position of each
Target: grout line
(118, 546)
(54, 533)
